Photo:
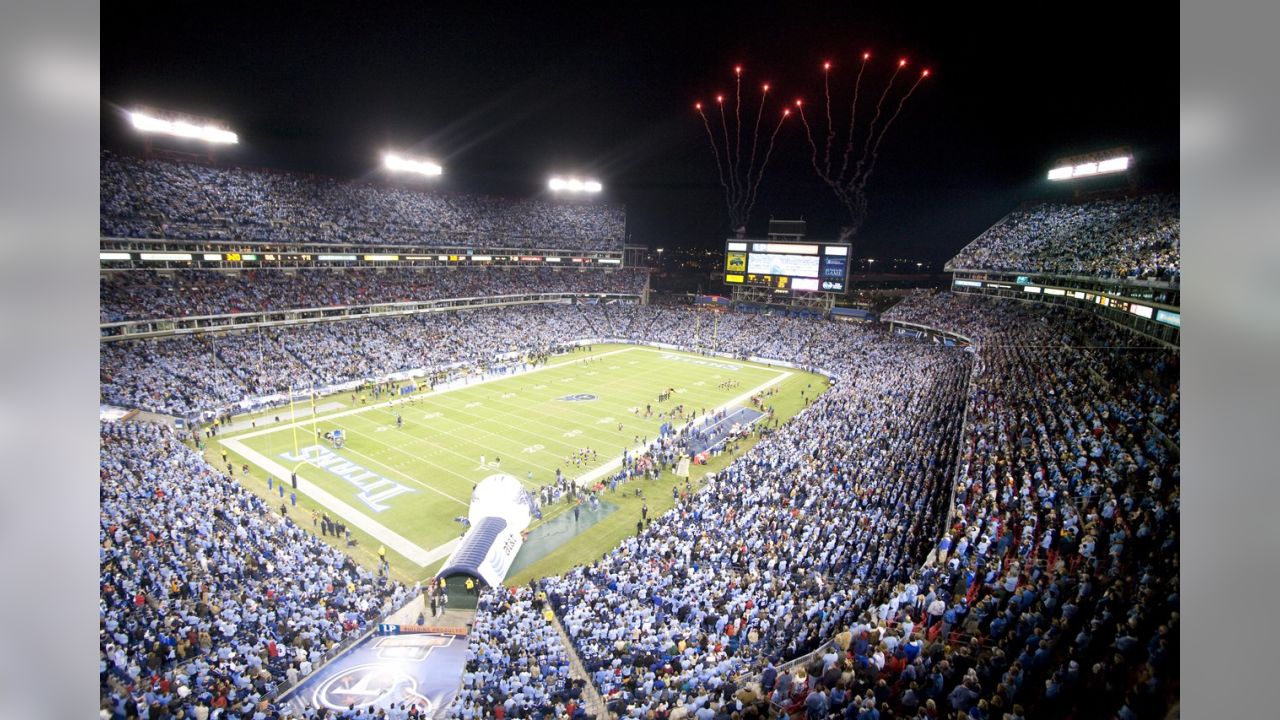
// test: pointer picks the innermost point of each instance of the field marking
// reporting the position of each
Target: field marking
(589, 418)
(466, 430)
(403, 474)
(435, 448)
(427, 396)
(400, 448)
(480, 426)
(417, 554)
(590, 475)
(606, 469)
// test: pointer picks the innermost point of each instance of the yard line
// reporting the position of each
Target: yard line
(590, 420)
(629, 385)
(604, 470)
(591, 431)
(431, 394)
(400, 448)
(372, 459)
(415, 553)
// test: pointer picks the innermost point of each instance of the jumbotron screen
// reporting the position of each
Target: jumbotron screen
(787, 266)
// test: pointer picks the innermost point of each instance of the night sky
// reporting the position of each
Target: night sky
(503, 96)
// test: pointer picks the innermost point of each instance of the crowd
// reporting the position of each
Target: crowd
(1058, 574)
(516, 664)
(1131, 237)
(957, 533)
(164, 199)
(785, 546)
(190, 375)
(144, 294)
(211, 600)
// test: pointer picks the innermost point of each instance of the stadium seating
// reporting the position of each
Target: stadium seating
(971, 531)
(209, 596)
(152, 198)
(143, 294)
(514, 659)
(1129, 237)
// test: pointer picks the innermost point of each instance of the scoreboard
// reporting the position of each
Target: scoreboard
(787, 266)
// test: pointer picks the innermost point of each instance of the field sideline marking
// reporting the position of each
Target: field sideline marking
(383, 534)
(590, 433)
(596, 474)
(410, 550)
(427, 396)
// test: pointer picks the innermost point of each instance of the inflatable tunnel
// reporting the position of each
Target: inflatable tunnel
(500, 511)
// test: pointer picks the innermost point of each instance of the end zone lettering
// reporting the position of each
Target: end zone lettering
(698, 361)
(368, 482)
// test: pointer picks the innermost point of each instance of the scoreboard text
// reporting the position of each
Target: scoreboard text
(787, 266)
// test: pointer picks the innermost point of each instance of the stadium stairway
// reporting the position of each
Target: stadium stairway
(595, 703)
(586, 318)
(608, 321)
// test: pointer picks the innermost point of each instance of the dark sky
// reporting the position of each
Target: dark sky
(504, 95)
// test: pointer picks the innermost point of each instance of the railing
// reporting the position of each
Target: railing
(448, 244)
(929, 330)
(161, 327)
(284, 686)
(1072, 278)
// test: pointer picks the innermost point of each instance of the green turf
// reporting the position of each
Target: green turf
(524, 421)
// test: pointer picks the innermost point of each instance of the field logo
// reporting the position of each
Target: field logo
(579, 397)
(376, 684)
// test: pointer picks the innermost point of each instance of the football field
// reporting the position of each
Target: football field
(402, 485)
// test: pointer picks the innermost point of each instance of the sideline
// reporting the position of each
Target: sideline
(402, 545)
(426, 396)
(609, 467)
(417, 554)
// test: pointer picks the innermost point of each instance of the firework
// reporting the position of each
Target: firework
(851, 191)
(741, 185)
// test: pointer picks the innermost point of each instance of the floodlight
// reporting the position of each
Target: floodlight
(1088, 169)
(397, 163)
(182, 128)
(574, 185)
(1113, 165)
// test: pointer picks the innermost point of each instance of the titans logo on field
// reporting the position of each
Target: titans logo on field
(579, 397)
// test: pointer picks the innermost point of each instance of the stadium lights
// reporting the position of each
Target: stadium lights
(1070, 172)
(574, 185)
(181, 128)
(401, 164)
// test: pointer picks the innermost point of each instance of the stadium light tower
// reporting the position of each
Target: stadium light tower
(157, 122)
(574, 185)
(180, 134)
(398, 163)
(1106, 162)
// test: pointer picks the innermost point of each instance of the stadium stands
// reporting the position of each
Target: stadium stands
(1129, 237)
(209, 597)
(143, 294)
(514, 660)
(152, 198)
(955, 532)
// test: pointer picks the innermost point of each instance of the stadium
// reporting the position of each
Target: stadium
(376, 445)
